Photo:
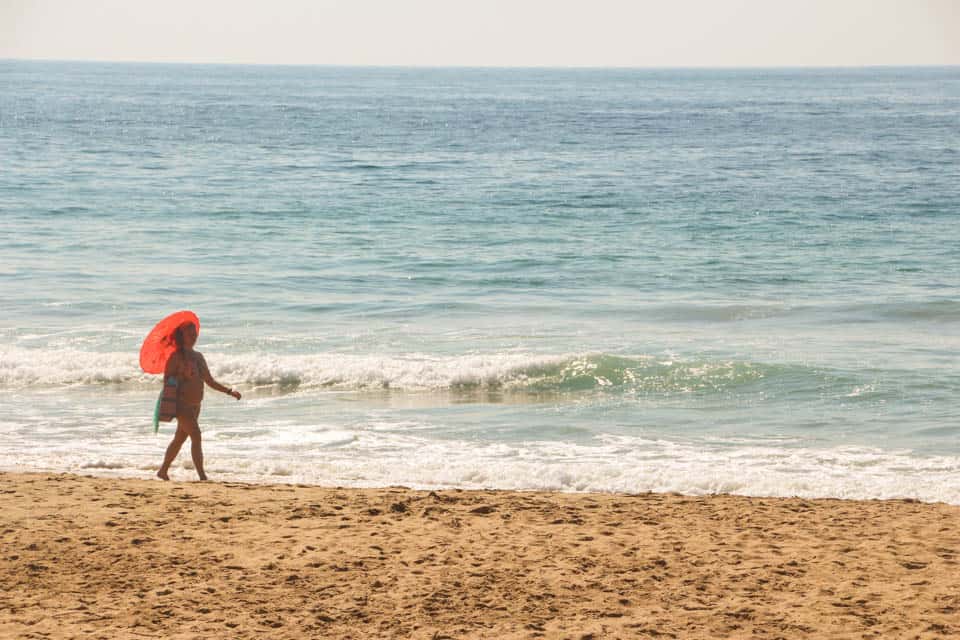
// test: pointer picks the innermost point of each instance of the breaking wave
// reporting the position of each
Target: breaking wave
(521, 373)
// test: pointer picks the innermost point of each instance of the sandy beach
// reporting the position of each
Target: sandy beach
(85, 557)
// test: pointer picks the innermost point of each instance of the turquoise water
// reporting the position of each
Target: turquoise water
(626, 280)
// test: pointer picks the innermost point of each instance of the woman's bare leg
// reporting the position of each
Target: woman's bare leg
(187, 427)
(188, 423)
(197, 453)
(172, 450)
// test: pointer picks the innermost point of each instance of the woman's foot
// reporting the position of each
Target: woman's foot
(203, 477)
(162, 474)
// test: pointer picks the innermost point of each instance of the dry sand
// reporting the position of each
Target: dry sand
(104, 558)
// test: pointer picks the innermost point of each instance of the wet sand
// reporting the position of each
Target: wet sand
(85, 557)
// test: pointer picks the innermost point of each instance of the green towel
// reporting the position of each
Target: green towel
(156, 414)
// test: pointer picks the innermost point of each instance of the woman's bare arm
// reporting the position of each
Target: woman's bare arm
(213, 384)
(173, 366)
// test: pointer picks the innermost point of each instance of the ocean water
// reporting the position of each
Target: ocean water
(587, 280)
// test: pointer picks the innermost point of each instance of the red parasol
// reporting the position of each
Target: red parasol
(159, 344)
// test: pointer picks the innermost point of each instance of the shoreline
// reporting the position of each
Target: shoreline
(127, 558)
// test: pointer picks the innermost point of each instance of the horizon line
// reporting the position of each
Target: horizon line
(488, 66)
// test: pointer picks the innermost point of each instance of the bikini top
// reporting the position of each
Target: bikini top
(191, 368)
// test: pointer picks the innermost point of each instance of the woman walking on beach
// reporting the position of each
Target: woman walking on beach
(191, 371)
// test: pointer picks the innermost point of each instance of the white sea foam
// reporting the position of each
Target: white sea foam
(103, 464)
(23, 367)
(334, 439)
(619, 464)
(409, 372)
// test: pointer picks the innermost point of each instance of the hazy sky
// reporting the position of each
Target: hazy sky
(638, 33)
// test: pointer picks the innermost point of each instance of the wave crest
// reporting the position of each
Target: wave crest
(520, 373)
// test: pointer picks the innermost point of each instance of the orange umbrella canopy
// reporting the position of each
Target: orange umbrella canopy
(159, 344)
